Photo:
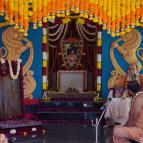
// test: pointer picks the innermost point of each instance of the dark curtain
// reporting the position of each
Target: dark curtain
(88, 60)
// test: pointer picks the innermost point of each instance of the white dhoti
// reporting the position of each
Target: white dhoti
(118, 110)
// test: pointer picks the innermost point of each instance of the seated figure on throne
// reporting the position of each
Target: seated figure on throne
(72, 58)
(118, 109)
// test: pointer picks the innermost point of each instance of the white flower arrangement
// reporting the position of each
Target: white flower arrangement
(18, 69)
(12, 131)
(34, 129)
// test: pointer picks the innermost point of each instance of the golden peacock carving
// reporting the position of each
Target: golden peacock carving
(129, 51)
(13, 45)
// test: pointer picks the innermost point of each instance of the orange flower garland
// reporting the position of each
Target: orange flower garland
(81, 8)
(39, 16)
(109, 17)
(11, 11)
(95, 11)
(141, 12)
(6, 5)
(21, 12)
(72, 5)
(86, 7)
(104, 14)
(16, 13)
(2, 6)
(35, 14)
(76, 6)
(100, 14)
(53, 8)
(137, 11)
(91, 7)
(48, 9)
(118, 16)
(67, 7)
(44, 10)
(25, 23)
(62, 7)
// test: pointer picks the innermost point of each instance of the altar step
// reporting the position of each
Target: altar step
(80, 109)
(64, 121)
(68, 114)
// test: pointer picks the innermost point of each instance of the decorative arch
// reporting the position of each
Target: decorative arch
(50, 42)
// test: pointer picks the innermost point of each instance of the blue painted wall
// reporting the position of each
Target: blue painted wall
(107, 66)
(36, 37)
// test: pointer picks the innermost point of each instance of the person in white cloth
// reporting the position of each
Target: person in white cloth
(118, 109)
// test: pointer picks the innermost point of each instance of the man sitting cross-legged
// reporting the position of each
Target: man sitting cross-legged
(133, 129)
(118, 109)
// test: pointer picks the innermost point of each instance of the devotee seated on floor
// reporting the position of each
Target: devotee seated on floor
(118, 109)
(133, 129)
(3, 138)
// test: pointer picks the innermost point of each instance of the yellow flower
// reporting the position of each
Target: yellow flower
(21, 30)
(25, 33)
(95, 20)
(40, 24)
(66, 20)
(67, 13)
(141, 20)
(80, 20)
(30, 13)
(44, 19)
(98, 87)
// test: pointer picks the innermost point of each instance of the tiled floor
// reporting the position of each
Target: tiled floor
(69, 134)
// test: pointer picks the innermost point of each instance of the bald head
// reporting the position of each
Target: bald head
(133, 69)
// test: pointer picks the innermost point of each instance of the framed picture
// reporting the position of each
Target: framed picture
(71, 52)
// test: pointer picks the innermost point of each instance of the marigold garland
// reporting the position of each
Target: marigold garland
(118, 16)
(1, 7)
(16, 20)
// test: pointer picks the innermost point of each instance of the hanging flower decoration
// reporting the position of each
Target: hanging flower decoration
(34, 14)
(39, 16)
(2, 7)
(117, 16)
(25, 18)
(16, 13)
(18, 69)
